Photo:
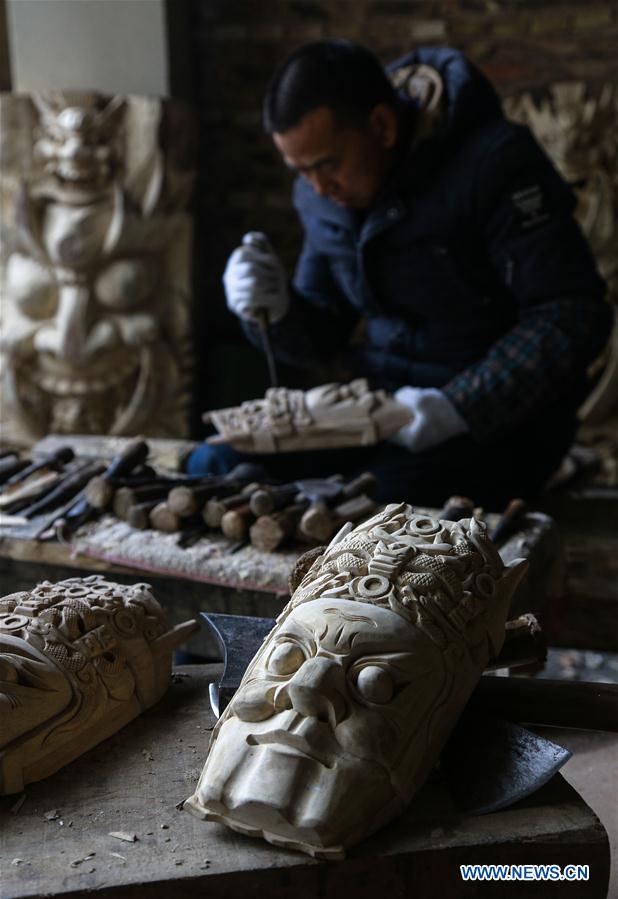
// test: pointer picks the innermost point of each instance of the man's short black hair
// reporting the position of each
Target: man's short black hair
(338, 74)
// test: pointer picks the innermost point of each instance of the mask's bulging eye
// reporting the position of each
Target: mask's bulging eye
(375, 684)
(286, 659)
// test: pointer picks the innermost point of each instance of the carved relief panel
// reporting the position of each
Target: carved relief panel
(578, 128)
(95, 265)
(331, 415)
(344, 710)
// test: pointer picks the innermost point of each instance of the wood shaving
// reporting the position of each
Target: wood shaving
(123, 835)
(15, 808)
(79, 861)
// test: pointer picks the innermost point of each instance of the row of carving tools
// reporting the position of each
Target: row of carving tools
(266, 515)
(244, 505)
(54, 486)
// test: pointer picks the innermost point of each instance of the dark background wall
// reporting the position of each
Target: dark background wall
(225, 51)
(5, 64)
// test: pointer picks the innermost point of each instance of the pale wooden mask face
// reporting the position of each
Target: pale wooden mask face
(323, 715)
(344, 710)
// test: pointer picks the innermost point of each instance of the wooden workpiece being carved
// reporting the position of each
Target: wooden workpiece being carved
(79, 659)
(332, 415)
(94, 265)
(346, 707)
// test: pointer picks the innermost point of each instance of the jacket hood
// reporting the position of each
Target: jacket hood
(453, 99)
(468, 98)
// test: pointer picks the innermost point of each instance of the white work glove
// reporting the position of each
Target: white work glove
(254, 279)
(435, 419)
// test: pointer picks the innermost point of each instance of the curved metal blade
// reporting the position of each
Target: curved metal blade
(239, 638)
(490, 763)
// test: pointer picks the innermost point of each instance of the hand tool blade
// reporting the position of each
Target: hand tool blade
(239, 638)
(490, 763)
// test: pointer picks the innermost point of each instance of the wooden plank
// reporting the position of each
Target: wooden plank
(181, 599)
(133, 781)
(53, 553)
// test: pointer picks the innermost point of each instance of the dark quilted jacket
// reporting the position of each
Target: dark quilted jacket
(470, 271)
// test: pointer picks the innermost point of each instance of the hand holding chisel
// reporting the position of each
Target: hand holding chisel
(256, 289)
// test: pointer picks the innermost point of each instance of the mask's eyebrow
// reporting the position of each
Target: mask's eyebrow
(290, 630)
(398, 658)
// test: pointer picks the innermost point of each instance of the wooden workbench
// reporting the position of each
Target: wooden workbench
(57, 842)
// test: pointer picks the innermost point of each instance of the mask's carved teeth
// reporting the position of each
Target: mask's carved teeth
(82, 387)
(281, 739)
(84, 404)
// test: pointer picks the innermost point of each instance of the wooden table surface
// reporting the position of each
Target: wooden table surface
(57, 842)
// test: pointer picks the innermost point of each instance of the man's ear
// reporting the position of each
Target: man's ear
(384, 124)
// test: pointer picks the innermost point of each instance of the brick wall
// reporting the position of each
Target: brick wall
(519, 44)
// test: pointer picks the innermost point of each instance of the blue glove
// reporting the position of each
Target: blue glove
(434, 420)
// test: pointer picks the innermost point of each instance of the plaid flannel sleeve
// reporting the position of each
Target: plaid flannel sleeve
(537, 362)
(524, 211)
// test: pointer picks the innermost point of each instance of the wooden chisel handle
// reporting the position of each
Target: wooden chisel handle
(364, 483)
(509, 521)
(68, 487)
(53, 460)
(135, 453)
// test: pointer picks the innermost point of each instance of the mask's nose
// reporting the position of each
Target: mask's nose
(71, 335)
(317, 690)
(66, 337)
(75, 148)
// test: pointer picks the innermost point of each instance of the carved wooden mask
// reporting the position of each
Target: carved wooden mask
(344, 710)
(78, 660)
